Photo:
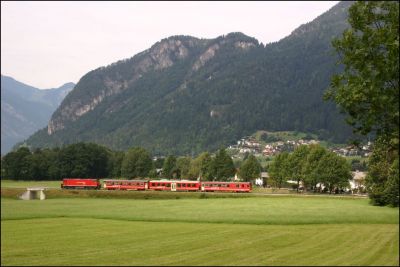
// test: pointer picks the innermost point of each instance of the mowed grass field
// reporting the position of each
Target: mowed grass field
(263, 230)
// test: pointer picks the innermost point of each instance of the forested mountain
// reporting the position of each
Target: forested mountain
(186, 95)
(26, 109)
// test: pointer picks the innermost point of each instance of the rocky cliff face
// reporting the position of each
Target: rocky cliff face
(162, 55)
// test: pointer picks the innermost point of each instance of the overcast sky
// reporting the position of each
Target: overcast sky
(46, 44)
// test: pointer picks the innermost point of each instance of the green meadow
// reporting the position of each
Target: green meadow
(25, 184)
(268, 230)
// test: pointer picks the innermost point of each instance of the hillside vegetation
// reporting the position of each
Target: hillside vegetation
(185, 95)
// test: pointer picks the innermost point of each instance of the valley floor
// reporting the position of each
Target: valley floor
(227, 231)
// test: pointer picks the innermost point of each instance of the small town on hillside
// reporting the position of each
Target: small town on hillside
(252, 146)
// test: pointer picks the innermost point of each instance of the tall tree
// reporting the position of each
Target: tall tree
(279, 169)
(380, 167)
(250, 169)
(201, 167)
(183, 165)
(368, 89)
(312, 176)
(16, 164)
(169, 167)
(391, 191)
(116, 159)
(136, 163)
(223, 167)
(297, 161)
(334, 171)
(83, 160)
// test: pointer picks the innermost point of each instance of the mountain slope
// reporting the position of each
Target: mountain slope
(186, 95)
(26, 109)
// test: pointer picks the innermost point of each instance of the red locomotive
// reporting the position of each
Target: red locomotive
(80, 183)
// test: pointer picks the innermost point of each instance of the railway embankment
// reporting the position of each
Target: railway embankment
(52, 193)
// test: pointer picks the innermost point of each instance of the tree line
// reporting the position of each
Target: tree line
(310, 165)
(89, 160)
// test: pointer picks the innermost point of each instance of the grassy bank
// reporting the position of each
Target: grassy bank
(25, 184)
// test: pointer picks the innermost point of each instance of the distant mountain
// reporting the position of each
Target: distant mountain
(26, 109)
(185, 95)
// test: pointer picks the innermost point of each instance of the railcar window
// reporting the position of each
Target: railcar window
(167, 185)
(237, 186)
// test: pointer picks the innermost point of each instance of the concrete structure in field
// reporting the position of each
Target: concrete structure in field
(34, 193)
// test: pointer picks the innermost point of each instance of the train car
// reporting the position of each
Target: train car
(165, 185)
(80, 183)
(225, 186)
(125, 184)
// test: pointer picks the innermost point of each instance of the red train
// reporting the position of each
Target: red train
(80, 183)
(157, 185)
(125, 185)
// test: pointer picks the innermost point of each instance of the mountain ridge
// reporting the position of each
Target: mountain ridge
(186, 95)
(25, 109)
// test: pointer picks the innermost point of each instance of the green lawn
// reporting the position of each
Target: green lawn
(282, 210)
(25, 184)
(281, 230)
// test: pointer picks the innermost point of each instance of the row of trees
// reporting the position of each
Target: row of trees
(137, 162)
(311, 165)
(77, 160)
(92, 160)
